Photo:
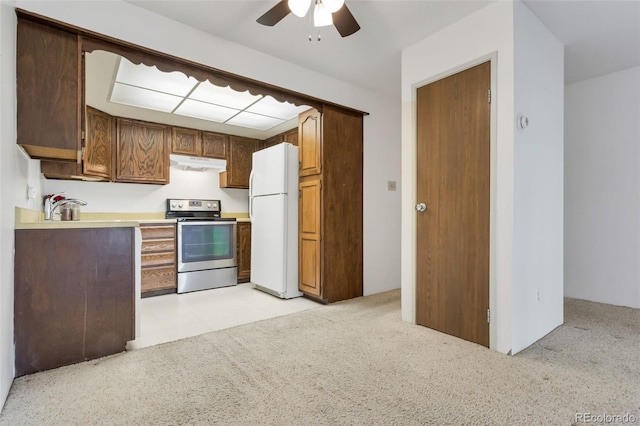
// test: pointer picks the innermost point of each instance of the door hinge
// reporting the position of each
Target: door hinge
(82, 135)
(489, 315)
(489, 95)
(299, 193)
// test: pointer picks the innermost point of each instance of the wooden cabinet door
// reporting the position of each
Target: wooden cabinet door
(238, 162)
(309, 279)
(274, 140)
(214, 145)
(77, 302)
(244, 251)
(185, 141)
(98, 149)
(48, 91)
(310, 142)
(292, 137)
(142, 152)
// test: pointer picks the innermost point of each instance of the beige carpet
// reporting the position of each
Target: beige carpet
(352, 363)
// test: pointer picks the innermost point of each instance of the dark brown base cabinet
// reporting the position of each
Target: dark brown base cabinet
(74, 295)
(244, 251)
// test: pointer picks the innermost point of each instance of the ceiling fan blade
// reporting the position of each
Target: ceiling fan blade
(275, 14)
(344, 21)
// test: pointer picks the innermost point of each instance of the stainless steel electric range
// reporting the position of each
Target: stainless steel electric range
(206, 245)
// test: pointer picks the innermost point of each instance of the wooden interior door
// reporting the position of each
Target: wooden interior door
(453, 158)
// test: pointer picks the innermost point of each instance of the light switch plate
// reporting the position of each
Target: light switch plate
(31, 192)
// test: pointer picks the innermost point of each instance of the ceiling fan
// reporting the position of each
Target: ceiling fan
(325, 12)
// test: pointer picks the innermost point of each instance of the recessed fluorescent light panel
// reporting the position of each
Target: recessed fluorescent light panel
(255, 121)
(205, 111)
(147, 87)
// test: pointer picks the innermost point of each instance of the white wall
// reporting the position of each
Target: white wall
(602, 189)
(9, 181)
(526, 168)
(469, 41)
(537, 292)
(132, 197)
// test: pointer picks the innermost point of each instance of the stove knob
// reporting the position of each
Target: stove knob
(173, 205)
(180, 205)
(208, 205)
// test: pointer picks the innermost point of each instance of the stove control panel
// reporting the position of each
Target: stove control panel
(183, 205)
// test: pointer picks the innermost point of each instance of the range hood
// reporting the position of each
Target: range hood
(187, 162)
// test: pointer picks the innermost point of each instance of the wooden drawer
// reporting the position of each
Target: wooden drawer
(158, 245)
(157, 231)
(158, 278)
(157, 259)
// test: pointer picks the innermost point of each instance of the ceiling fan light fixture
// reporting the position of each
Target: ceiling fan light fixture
(299, 7)
(333, 5)
(321, 15)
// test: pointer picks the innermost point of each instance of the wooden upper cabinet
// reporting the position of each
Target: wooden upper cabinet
(238, 162)
(273, 140)
(142, 152)
(214, 145)
(292, 136)
(185, 141)
(198, 143)
(310, 142)
(99, 141)
(48, 91)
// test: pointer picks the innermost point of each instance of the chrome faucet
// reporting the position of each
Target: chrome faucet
(51, 206)
(48, 201)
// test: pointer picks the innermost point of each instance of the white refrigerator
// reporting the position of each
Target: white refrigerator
(273, 210)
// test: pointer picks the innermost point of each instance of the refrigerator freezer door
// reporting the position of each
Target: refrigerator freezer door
(268, 171)
(268, 243)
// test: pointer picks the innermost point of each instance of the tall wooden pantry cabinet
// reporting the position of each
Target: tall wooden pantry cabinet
(330, 223)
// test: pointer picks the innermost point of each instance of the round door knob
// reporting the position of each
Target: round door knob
(421, 207)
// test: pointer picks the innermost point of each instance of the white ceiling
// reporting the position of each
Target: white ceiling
(599, 36)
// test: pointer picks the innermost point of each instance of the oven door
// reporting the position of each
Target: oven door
(206, 245)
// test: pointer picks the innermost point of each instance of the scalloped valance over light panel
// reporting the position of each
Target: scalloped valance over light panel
(173, 92)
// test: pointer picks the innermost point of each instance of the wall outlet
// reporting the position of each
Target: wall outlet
(391, 185)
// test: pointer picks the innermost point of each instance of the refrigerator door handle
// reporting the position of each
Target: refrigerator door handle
(251, 183)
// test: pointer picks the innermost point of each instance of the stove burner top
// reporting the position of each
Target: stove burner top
(204, 219)
(193, 209)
